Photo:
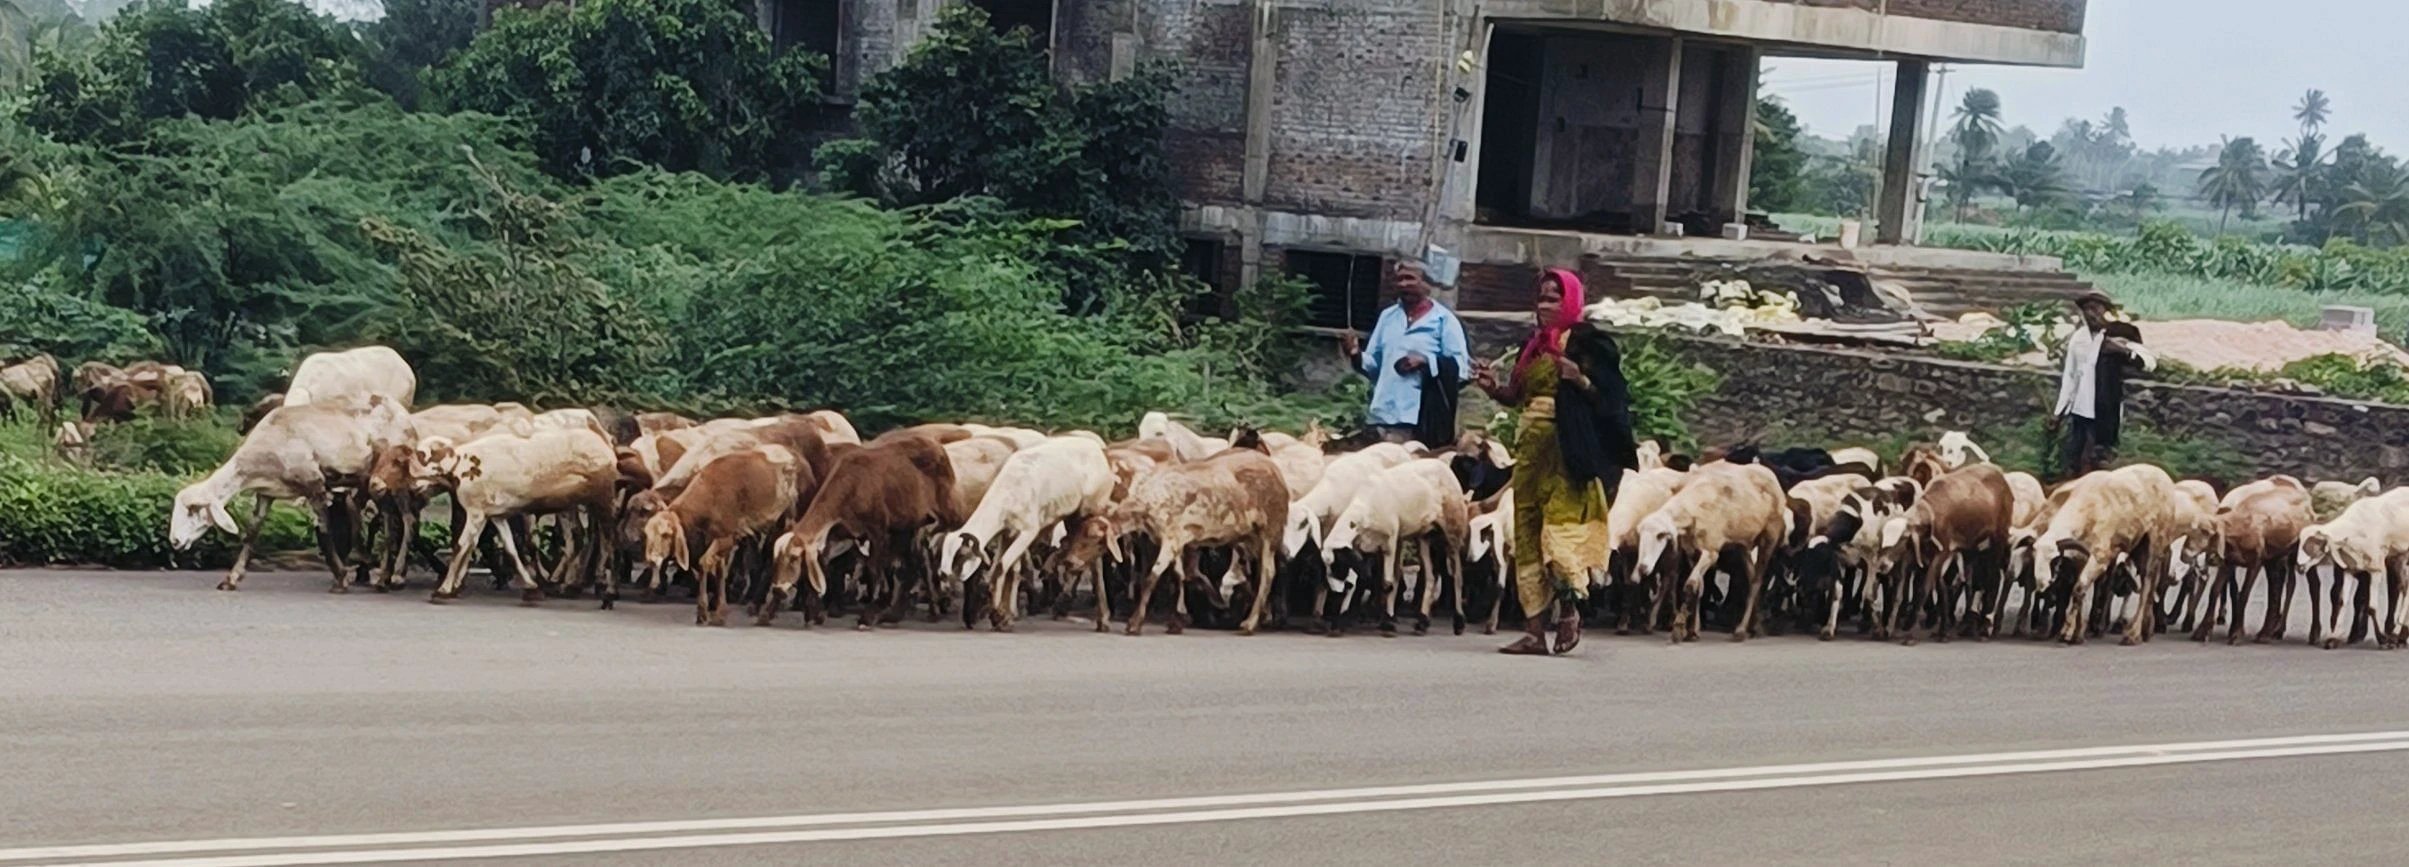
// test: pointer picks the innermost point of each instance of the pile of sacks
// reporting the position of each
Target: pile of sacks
(1727, 307)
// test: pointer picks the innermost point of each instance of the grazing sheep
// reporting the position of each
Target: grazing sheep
(1960, 520)
(1958, 449)
(2106, 514)
(1301, 464)
(186, 394)
(2257, 533)
(1186, 445)
(1058, 480)
(2191, 521)
(937, 433)
(1860, 457)
(259, 409)
(574, 418)
(1489, 552)
(799, 434)
(2369, 539)
(506, 475)
(1407, 503)
(1810, 577)
(1641, 493)
(882, 496)
(976, 461)
(352, 375)
(656, 422)
(737, 497)
(311, 454)
(2330, 498)
(1235, 498)
(1735, 509)
(34, 382)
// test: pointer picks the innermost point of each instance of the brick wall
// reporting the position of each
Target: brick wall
(1211, 40)
(1352, 119)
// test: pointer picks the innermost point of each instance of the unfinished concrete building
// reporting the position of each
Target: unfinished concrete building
(1321, 137)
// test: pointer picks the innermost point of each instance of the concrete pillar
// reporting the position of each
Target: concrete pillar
(1652, 165)
(1902, 157)
(1262, 80)
(1736, 133)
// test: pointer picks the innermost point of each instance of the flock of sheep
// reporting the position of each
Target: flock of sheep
(798, 511)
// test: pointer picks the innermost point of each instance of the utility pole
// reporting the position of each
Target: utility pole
(1924, 149)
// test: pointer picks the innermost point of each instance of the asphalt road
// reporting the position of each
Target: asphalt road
(149, 708)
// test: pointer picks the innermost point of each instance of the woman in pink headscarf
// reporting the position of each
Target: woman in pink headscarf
(1570, 448)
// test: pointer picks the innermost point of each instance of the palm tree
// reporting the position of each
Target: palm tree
(2376, 206)
(2238, 180)
(2300, 172)
(2313, 111)
(2034, 177)
(1976, 130)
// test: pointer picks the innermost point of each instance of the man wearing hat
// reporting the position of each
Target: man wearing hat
(2091, 387)
(1417, 360)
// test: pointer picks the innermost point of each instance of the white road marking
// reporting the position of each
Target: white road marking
(1116, 814)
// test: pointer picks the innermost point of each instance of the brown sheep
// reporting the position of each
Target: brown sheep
(735, 498)
(939, 433)
(1960, 520)
(1235, 498)
(2260, 533)
(883, 496)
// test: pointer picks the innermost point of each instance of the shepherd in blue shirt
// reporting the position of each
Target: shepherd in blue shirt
(1417, 353)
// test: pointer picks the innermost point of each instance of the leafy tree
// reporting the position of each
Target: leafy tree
(2034, 178)
(1846, 185)
(413, 37)
(975, 113)
(2237, 181)
(610, 86)
(165, 59)
(2376, 205)
(1778, 177)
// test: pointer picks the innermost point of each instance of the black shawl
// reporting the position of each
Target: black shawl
(1593, 428)
(1442, 387)
(2108, 386)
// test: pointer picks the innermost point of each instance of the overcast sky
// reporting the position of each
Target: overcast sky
(2187, 70)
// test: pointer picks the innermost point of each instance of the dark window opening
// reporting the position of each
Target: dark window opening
(1037, 15)
(1346, 288)
(1202, 260)
(811, 25)
(1509, 125)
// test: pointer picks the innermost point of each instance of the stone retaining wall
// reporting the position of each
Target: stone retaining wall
(1868, 396)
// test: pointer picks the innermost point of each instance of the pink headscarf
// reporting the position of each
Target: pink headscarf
(1549, 339)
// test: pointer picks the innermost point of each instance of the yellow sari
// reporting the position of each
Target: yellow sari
(1559, 528)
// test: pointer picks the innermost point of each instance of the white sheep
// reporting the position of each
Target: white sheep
(352, 375)
(1402, 505)
(1639, 495)
(1491, 533)
(1311, 515)
(2368, 540)
(1038, 487)
(2328, 499)
(306, 453)
(1727, 507)
(2105, 515)
(1958, 449)
(502, 476)
(1185, 443)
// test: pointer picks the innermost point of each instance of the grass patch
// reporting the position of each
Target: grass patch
(2168, 296)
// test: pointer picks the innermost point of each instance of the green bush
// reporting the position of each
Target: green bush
(175, 448)
(1664, 386)
(54, 513)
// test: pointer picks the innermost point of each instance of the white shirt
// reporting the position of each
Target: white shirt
(2078, 386)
